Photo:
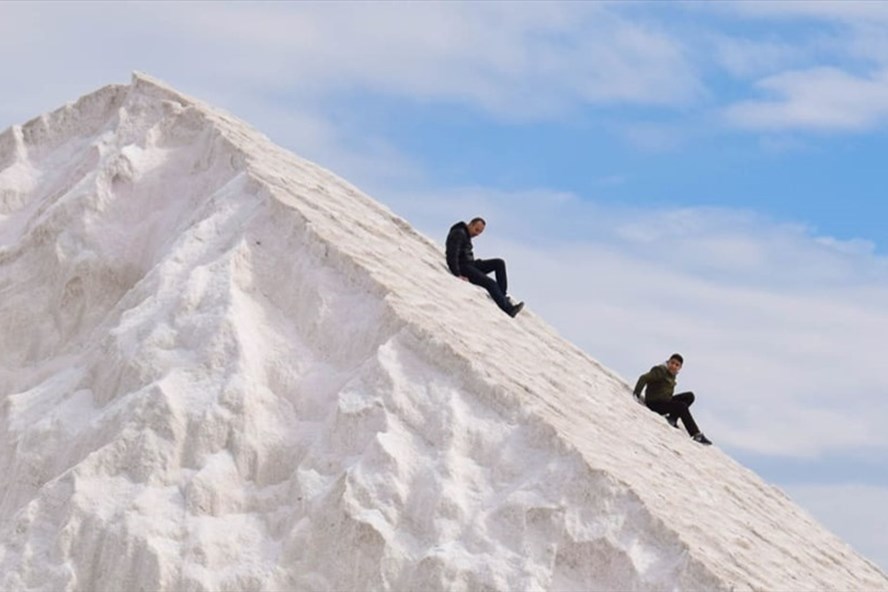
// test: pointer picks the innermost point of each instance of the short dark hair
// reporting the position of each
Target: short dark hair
(678, 357)
(478, 219)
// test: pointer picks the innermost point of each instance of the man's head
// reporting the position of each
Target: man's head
(674, 364)
(476, 226)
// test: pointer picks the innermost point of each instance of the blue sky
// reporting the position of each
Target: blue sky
(681, 176)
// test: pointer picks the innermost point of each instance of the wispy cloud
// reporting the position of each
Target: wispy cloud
(825, 99)
(818, 66)
(845, 11)
(749, 57)
(511, 60)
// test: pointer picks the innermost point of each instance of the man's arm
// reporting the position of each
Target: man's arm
(639, 386)
(455, 243)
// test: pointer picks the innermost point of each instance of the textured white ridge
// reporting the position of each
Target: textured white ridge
(224, 368)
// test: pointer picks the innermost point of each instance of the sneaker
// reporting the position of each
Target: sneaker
(673, 421)
(701, 439)
(516, 309)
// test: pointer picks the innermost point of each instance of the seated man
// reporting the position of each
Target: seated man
(463, 264)
(660, 383)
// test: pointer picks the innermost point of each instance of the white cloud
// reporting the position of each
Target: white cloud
(853, 512)
(512, 60)
(848, 11)
(820, 67)
(745, 57)
(822, 98)
(869, 42)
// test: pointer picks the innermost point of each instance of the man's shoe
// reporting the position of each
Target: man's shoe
(701, 439)
(516, 309)
(673, 421)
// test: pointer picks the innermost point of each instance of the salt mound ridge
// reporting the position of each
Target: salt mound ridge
(223, 368)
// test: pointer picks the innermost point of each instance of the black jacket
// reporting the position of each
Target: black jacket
(459, 248)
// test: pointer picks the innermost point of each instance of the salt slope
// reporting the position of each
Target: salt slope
(224, 368)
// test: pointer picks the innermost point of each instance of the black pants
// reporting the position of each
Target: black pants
(678, 408)
(477, 273)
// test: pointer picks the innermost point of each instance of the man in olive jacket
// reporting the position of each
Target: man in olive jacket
(462, 263)
(660, 383)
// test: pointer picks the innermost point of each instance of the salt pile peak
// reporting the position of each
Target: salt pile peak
(225, 368)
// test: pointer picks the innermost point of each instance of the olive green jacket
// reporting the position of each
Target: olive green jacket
(660, 384)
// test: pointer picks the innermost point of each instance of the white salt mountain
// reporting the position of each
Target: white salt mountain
(224, 368)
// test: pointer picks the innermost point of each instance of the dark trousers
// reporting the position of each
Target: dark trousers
(678, 408)
(477, 272)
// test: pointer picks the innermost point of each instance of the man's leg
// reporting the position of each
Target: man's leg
(677, 407)
(681, 404)
(498, 266)
(479, 278)
(687, 399)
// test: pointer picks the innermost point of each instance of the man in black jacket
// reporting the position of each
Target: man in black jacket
(462, 263)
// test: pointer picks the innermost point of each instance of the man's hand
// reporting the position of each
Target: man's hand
(639, 398)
